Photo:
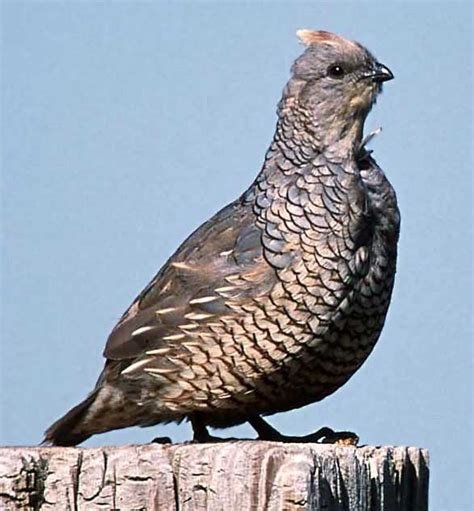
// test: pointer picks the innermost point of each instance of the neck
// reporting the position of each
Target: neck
(301, 135)
(298, 142)
(294, 136)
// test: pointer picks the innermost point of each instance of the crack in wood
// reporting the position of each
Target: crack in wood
(75, 478)
(29, 483)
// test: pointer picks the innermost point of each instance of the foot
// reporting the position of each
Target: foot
(323, 435)
(161, 440)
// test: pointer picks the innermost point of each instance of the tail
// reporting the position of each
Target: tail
(106, 408)
(69, 430)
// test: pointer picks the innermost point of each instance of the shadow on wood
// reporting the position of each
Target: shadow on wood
(237, 475)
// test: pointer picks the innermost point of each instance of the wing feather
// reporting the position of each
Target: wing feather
(220, 261)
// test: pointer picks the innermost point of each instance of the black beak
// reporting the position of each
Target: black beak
(381, 73)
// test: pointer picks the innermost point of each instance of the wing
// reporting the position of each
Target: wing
(309, 242)
(221, 260)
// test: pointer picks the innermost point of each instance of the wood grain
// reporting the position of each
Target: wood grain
(236, 475)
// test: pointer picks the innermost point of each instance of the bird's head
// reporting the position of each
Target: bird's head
(335, 82)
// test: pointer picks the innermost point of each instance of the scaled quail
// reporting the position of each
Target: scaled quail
(278, 299)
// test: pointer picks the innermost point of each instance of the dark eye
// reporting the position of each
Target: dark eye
(336, 71)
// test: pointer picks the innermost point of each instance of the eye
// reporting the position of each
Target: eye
(336, 71)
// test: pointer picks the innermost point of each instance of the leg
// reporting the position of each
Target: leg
(200, 433)
(323, 435)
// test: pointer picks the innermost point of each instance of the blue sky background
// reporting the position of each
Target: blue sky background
(125, 125)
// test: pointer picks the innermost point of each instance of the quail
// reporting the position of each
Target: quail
(278, 299)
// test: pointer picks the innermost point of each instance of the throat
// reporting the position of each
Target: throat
(341, 142)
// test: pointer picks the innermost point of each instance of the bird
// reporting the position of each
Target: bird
(278, 299)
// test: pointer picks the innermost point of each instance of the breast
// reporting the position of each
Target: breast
(373, 294)
(382, 202)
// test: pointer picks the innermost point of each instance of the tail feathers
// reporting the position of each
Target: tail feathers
(69, 430)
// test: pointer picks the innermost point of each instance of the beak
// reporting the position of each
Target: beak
(380, 73)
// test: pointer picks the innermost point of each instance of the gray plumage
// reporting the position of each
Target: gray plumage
(278, 299)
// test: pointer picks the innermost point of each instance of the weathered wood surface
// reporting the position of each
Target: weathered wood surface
(239, 475)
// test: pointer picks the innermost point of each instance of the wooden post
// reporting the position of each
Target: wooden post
(235, 475)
